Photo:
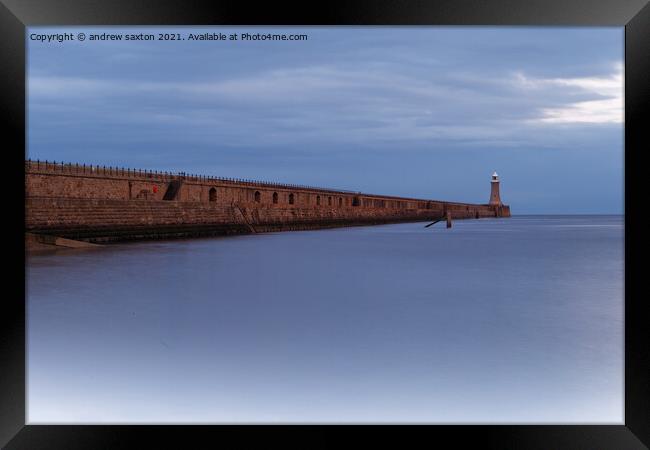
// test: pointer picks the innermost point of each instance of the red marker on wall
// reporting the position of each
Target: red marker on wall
(155, 189)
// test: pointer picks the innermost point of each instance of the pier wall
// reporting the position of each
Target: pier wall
(105, 204)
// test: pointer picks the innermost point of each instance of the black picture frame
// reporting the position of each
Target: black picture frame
(15, 15)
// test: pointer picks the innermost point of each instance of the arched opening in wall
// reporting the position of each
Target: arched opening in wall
(355, 201)
(329, 201)
(275, 197)
(340, 201)
(212, 195)
(318, 199)
(291, 199)
(477, 214)
(258, 197)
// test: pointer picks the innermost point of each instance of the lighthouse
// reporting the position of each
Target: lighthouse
(495, 199)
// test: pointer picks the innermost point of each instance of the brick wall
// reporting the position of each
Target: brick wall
(98, 203)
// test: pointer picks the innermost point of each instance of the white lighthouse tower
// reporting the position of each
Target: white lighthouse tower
(495, 199)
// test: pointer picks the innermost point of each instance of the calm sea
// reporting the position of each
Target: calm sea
(493, 321)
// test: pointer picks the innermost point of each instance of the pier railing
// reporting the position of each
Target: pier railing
(163, 176)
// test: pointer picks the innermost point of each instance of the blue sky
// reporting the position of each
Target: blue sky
(425, 112)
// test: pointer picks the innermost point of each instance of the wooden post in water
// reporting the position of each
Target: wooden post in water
(448, 219)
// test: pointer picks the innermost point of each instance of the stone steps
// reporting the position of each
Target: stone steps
(98, 220)
(127, 220)
(36, 213)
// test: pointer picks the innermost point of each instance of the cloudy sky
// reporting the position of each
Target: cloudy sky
(424, 112)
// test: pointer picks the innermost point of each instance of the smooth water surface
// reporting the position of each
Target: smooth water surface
(512, 320)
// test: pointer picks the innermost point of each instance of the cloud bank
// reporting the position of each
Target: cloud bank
(393, 99)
